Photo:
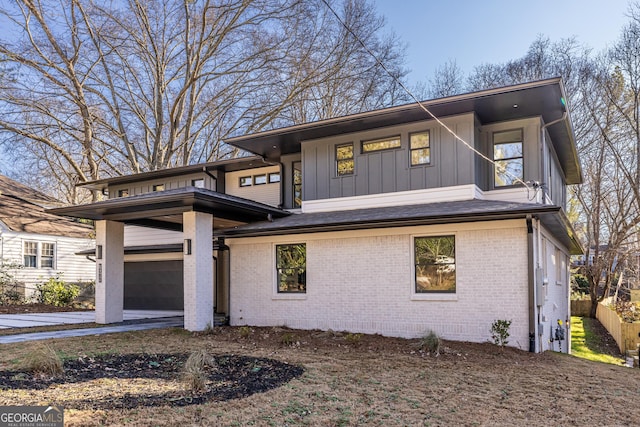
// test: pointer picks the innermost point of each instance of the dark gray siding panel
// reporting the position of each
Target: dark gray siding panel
(309, 173)
(153, 285)
(287, 178)
(448, 159)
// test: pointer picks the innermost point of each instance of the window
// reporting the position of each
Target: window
(291, 267)
(507, 153)
(245, 181)
(381, 144)
(297, 184)
(344, 159)
(158, 187)
(420, 148)
(435, 264)
(198, 183)
(259, 179)
(274, 177)
(123, 193)
(47, 254)
(30, 253)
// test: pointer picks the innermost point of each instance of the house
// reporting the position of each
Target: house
(380, 222)
(38, 244)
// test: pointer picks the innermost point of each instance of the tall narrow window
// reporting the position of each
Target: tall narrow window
(507, 153)
(30, 254)
(420, 146)
(297, 184)
(344, 159)
(435, 264)
(291, 267)
(47, 255)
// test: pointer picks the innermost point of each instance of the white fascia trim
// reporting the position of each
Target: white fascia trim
(513, 194)
(399, 198)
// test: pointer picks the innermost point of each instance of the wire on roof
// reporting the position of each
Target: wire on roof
(426, 110)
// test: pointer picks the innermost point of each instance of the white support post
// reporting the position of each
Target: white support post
(109, 271)
(198, 270)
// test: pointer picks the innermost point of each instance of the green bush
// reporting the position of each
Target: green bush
(56, 292)
(430, 342)
(11, 292)
(500, 332)
(579, 284)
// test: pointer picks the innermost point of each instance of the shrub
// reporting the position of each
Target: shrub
(56, 292)
(288, 339)
(11, 292)
(195, 374)
(43, 360)
(500, 332)
(579, 285)
(244, 331)
(430, 343)
(353, 338)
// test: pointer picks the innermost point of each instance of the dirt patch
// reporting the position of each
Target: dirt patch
(36, 308)
(229, 377)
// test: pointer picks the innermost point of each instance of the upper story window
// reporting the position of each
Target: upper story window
(297, 184)
(344, 159)
(158, 187)
(245, 181)
(381, 144)
(274, 177)
(198, 183)
(508, 156)
(39, 254)
(259, 179)
(123, 193)
(420, 147)
(291, 268)
(435, 264)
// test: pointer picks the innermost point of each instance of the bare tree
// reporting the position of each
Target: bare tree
(107, 89)
(448, 80)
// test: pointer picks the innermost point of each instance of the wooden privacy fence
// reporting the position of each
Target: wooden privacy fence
(627, 335)
(581, 307)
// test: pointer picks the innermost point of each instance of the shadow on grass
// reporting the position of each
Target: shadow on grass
(591, 341)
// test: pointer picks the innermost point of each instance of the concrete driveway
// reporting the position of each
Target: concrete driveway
(29, 320)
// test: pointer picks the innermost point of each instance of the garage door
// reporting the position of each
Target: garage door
(153, 285)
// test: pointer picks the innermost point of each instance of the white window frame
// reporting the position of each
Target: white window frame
(39, 245)
(431, 296)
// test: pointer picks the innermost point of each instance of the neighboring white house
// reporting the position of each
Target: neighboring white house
(379, 222)
(42, 244)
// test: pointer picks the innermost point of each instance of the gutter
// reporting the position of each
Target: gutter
(531, 286)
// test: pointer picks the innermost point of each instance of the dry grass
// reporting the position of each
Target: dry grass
(379, 382)
(195, 370)
(44, 360)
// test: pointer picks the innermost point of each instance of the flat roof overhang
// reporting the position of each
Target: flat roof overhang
(543, 99)
(164, 209)
(551, 216)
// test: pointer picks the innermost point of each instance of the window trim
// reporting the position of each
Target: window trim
(431, 296)
(260, 175)
(52, 257)
(249, 178)
(493, 152)
(411, 150)
(270, 174)
(339, 161)
(389, 138)
(39, 245)
(283, 295)
(195, 180)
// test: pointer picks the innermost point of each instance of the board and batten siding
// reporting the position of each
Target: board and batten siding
(385, 171)
(170, 183)
(71, 267)
(369, 287)
(268, 193)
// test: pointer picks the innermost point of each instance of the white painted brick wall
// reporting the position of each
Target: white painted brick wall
(362, 282)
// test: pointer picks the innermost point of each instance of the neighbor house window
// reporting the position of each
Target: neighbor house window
(420, 147)
(198, 183)
(297, 184)
(344, 159)
(507, 153)
(158, 187)
(435, 264)
(291, 267)
(274, 177)
(245, 181)
(381, 144)
(30, 253)
(47, 254)
(123, 193)
(259, 179)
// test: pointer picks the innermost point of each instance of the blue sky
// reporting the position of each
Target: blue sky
(473, 32)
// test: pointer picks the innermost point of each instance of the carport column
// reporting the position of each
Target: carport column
(109, 271)
(198, 270)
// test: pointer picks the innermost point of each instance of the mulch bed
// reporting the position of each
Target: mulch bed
(230, 377)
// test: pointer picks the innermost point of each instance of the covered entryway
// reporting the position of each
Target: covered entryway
(195, 212)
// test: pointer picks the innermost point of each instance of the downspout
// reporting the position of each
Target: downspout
(532, 286)
(542, 152)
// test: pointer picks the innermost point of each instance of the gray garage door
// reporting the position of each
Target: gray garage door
(153, 285)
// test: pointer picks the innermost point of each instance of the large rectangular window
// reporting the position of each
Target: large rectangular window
(435, 264)
(344, 159)
(47, 254)
(508, 157)
(420, 147)
(30, 254)
(297, 184)
(291, 267)
(381, 144)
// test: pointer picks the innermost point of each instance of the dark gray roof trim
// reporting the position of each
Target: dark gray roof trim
(534, 99)
(412, 215)
(170, 202)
